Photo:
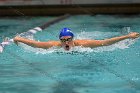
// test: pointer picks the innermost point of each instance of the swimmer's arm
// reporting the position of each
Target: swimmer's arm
(111, 41)
(34, 43)
(106, 42)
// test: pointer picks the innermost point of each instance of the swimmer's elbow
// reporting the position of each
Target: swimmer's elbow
(41, 45)
(35, 44)
(102, 43)
(106, 43)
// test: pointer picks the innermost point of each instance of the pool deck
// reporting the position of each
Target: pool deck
(39, 10)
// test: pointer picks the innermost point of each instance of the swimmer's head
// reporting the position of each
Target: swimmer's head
(66, 38)
(66, 32)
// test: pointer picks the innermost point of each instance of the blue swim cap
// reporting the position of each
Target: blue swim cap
(66, 32)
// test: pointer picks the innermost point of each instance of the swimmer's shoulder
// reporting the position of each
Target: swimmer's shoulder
(79, 42)
(86, 43)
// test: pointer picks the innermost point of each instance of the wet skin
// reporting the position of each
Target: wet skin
(67, 42)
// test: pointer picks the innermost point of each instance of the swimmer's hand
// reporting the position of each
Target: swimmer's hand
(16, 39)
(133, 35)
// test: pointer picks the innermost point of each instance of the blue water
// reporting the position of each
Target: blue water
(110, 69)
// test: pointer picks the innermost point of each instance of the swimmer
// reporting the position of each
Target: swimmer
(66, 40)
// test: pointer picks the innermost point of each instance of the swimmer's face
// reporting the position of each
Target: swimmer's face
(66, 42)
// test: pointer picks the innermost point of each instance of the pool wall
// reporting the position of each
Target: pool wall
(59, 7)
(71, 9)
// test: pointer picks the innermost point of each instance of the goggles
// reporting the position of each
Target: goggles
(64, 40)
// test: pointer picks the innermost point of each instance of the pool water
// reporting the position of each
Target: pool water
(109, 69)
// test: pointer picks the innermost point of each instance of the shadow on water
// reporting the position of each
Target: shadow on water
(23, 87)
(66, 86)
(85, 66)
(74, 86)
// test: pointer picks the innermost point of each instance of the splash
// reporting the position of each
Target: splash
(125, 30)
(119, 45)
(94, 35)
(26, 35)
(78, 49)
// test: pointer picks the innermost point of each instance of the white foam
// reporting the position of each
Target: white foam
(5, 43)
(1, 49)
(126, 30)
(32, 31)
(120, 45)
(26, 35)
(37, 50)
(53, 49)
(84, 35)
(38, 28)
(94, 35)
